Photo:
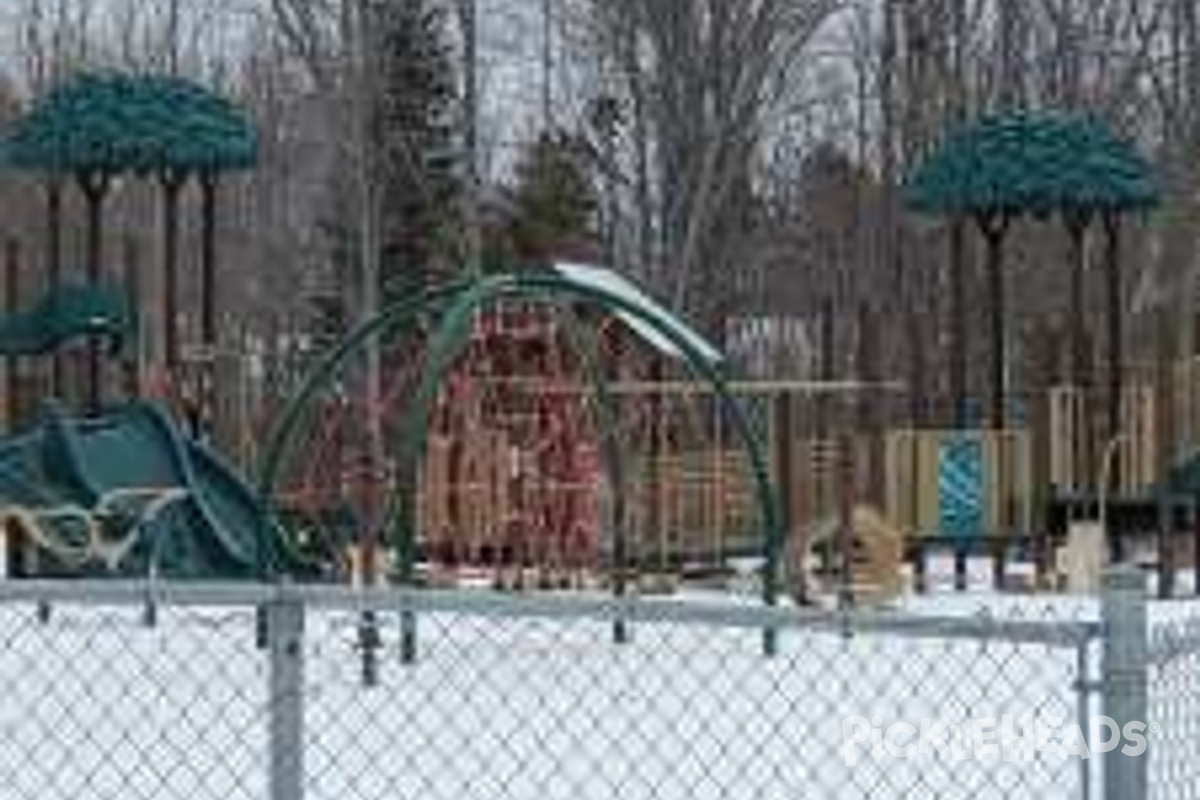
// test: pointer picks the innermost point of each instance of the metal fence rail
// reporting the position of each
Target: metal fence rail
(529, 697)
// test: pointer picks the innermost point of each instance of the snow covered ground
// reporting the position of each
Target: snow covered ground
(94, 704)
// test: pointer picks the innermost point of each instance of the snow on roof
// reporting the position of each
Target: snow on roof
(608, 281)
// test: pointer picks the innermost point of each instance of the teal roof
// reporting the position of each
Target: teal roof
(117, 122)
(1032, 162)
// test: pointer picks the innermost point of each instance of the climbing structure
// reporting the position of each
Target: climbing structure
(509, 481)
(521, 427)
(511, 472)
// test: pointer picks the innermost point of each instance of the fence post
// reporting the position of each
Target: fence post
(285, 626)
(1124, 676)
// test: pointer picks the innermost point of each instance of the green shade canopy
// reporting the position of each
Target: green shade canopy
(1031, 162)
(114, 122)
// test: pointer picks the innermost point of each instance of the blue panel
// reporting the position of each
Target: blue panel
(960, 487)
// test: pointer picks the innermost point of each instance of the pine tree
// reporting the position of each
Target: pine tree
(414, 133)
(556, 202)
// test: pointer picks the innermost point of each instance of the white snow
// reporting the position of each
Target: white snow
(96, 705)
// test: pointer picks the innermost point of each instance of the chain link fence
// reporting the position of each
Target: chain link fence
(267, 692)
(1174, 700)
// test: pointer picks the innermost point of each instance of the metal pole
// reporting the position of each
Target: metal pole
(54, 266)
(12, 284)
(1080, 374)
(95, 187)
(785, 477)
(1086, 685)
(171, 184)
(611, 360)
(1112, 268)
(995, 273)
(133, 294)
(285, 626)
(958, 323)
(208, 301)
(1126, 777)
(14, 545)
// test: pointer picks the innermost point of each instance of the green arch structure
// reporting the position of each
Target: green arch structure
(455, 303)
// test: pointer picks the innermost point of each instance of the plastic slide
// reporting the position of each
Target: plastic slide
(129, 493)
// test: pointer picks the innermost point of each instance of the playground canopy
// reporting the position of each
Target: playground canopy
(98, 125)
(1009, 164)
(1030, 162)
(114, 123)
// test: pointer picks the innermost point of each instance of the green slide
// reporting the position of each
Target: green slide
(129, 493)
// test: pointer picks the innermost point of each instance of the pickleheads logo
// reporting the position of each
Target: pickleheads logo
(1010, 737)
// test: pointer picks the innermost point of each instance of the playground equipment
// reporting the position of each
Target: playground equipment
(1084, 557)
(511, 473)
(447, 333)
(516, 472)
(65, 314)
(97, 126)
(127, 494)
(1011, 164)
(958, 484)
(876, 557)
(1162, 517)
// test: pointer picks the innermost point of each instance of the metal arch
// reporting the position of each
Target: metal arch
(468, 295)
(299, 407)
(450, 338)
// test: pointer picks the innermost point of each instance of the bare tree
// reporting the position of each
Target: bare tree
(705, 74)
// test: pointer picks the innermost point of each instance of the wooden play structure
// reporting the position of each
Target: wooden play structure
(914, 494)
(514, 483)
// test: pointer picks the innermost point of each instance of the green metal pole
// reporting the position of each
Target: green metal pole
(606, 412)
(54, 266)
(95, 188)
(172, 183)
(12, 288)
(208, 301)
